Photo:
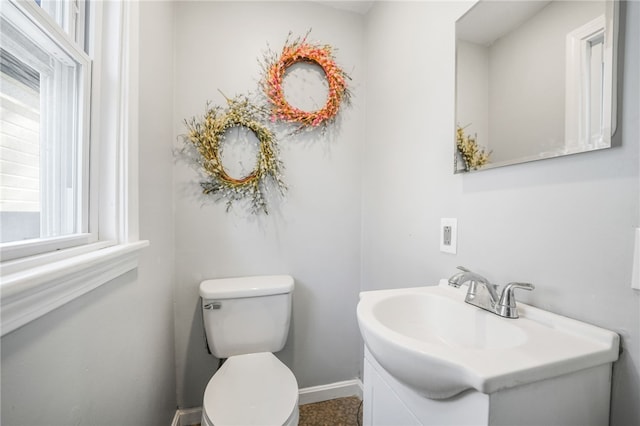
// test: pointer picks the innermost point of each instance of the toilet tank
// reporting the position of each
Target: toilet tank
(246, 314)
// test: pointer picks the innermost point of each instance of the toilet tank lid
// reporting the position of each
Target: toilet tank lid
(230, 288)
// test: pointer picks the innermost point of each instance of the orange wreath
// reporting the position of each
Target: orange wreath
(321, 55)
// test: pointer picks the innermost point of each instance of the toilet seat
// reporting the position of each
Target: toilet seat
(252, 389)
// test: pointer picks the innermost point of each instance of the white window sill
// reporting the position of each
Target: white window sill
(33, 292)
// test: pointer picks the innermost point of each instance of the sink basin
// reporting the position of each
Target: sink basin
(429, 339)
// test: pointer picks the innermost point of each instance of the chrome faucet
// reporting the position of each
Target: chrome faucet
(475, 280)
(484, 295)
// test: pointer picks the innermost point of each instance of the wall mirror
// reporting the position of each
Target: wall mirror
(534, 80)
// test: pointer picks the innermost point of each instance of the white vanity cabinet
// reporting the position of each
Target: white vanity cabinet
(580, 398)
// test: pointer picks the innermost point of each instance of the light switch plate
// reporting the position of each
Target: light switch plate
(449, 235)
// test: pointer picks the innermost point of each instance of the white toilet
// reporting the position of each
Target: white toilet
(246, 319)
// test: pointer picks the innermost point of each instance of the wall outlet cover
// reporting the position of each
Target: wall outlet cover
(449, 235)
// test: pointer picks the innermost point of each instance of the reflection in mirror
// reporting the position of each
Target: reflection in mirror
(534, 80)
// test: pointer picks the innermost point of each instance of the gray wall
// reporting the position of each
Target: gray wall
(107, 358)
(472, 91)
(564, 224)
(314, 234)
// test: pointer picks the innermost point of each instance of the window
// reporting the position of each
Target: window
(44, 140)
(590, 115)
(68, 151)
(19, 149)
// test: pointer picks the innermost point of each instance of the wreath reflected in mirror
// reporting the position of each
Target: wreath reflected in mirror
(208, 133)
(473, 155)
(275, 70)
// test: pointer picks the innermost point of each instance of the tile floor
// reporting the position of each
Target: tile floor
(336, 412)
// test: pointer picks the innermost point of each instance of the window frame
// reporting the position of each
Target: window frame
(35, 284)
(578, 78)
(38, 24)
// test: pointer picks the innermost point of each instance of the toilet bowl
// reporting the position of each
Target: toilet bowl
(252, 389)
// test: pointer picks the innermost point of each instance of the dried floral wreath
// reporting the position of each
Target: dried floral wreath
(208, 134)
(474, 156)
(275, 68)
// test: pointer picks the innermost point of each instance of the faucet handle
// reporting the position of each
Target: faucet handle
(463, 269)
(507, 303)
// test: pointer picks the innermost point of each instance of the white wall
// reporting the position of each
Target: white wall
(564, 224)
(314, 234)
(107, 358)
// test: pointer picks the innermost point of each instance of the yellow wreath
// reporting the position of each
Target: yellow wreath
(301, 51)
(208, 134)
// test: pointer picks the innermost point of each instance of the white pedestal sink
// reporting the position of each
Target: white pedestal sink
(428, 343)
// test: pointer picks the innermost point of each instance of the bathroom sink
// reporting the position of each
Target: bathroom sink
(429, 339)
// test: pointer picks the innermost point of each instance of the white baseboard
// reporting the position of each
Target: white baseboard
(176, 419)
(191, 416)
(330, 391)
(187, 417)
